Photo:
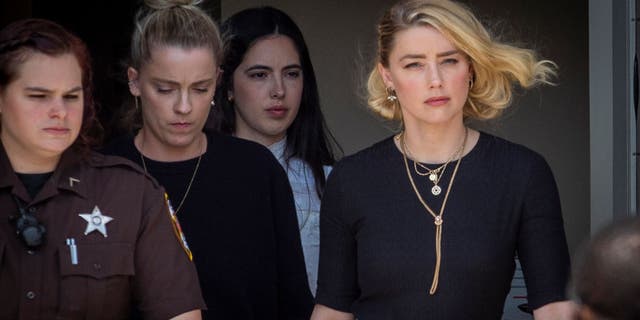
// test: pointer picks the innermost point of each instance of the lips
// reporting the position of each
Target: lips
(277, 111)
(180, 125)
(437, 101)
(57, 130)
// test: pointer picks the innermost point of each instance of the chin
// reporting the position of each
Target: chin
(182, 141)
(51, 152)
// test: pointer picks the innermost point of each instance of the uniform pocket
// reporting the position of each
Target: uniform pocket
(102, 277)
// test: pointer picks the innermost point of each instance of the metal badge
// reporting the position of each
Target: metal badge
(96, 221)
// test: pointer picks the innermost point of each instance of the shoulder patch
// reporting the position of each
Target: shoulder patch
(177, 230)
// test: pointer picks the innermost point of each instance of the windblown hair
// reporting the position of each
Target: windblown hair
(496, 66)
(308, 137)
(21, 39)
(174, 23)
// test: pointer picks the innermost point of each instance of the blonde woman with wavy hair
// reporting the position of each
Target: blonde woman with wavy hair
(426, 224)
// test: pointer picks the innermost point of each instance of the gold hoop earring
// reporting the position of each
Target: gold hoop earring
(470, 83)
(391, 95)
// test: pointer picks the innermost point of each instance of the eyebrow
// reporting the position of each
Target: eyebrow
(165, 81)
(263, 67)
(44, 90)
(422, 56)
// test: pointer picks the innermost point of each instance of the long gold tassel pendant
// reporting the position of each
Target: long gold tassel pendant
(436, 272)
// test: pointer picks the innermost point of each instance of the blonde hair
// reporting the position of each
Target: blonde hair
(173, 23)
(496, 66)
(177, 23)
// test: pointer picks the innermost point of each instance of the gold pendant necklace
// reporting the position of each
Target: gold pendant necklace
(437, 218)
(435, 174)
(193, 176)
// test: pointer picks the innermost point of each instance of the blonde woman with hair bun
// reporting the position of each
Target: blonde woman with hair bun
(231, 196)
(426, 224)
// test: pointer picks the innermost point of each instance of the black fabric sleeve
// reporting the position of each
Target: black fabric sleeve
(294, 297)
(337, 274)
(542, 245)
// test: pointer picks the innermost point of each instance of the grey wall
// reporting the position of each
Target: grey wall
(552, 120)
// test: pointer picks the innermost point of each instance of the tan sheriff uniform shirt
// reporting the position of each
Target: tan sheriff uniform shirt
(140, 262)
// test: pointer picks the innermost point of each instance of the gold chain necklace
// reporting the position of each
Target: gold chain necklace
(437, 217)
(193, 176)
(435, 174)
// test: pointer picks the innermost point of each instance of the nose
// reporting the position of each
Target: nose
(183, 105)
(58, 109)
(277, 90)
(434, 77)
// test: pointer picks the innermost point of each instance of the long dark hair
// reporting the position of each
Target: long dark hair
(307, 137)
(21, 38)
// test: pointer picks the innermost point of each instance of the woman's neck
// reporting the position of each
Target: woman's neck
(436, 144)
(156, 150)
(251, 135)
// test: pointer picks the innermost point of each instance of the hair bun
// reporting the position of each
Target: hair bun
(167, 4)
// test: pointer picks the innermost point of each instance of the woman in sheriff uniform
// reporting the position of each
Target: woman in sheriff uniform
(82, 235)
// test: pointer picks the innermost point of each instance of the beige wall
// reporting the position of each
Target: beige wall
(552, 121)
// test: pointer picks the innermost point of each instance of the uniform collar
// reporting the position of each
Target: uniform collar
(67, 176)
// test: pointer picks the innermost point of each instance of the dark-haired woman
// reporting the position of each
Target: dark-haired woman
(268, 94)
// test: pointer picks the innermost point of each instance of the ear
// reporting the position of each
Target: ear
(385, 74)
(132, 76)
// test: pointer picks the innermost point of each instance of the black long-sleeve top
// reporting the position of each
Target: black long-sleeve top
(377, 242)
(240, 223)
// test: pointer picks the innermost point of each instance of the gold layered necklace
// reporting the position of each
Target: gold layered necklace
(437, 217)
(436, 174)
(193, 176)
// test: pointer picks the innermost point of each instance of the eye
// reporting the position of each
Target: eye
(37, 96)
(164, 90)
(201, 90)
(294, 74)
(450, 61)
(258, 75)
(413, 65)
(71, 97)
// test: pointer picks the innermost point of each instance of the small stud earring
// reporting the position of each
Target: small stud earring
(213, 103)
